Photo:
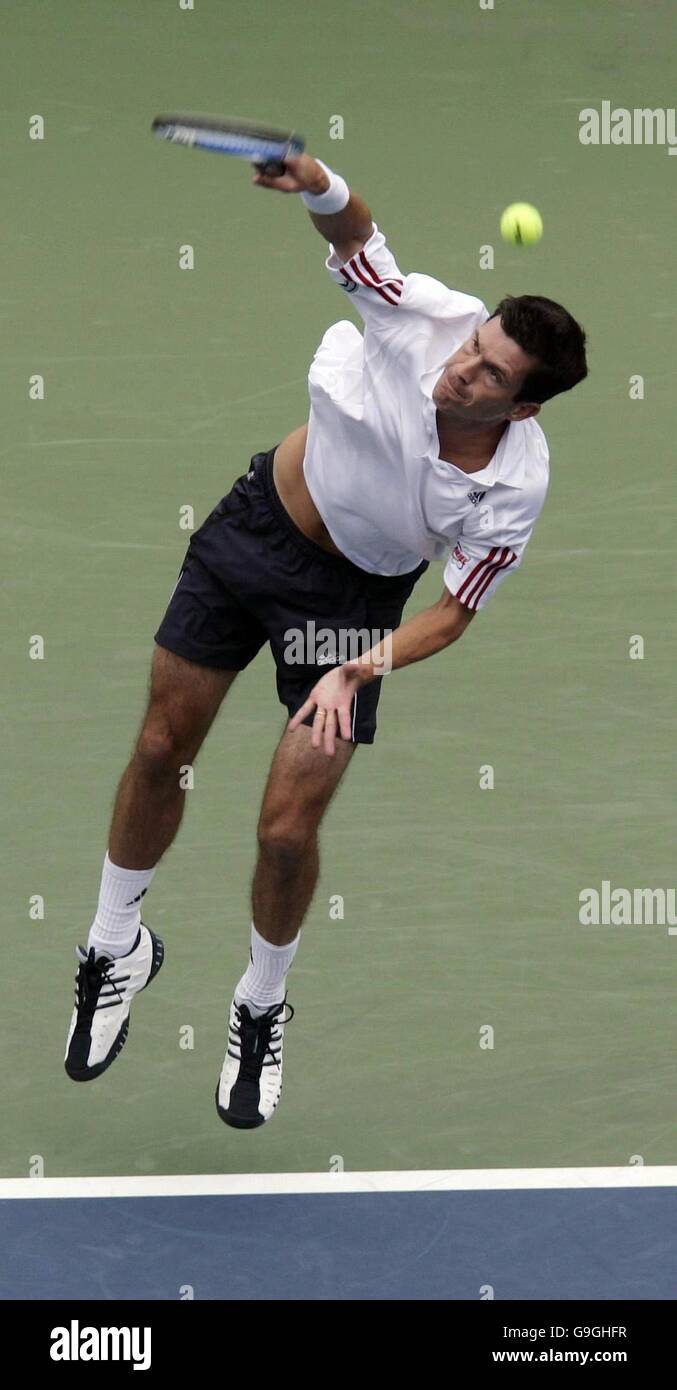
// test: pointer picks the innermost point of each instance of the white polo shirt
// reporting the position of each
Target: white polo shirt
(372, 461)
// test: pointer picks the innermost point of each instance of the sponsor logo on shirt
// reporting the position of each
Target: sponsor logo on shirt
(459, 557)
(475, 496)
(349, 285)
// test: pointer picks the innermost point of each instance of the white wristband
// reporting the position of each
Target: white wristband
(334, 198)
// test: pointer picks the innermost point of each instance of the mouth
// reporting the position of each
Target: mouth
(453, 392)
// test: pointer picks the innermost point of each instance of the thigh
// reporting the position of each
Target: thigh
(184, 699)
(302, 781)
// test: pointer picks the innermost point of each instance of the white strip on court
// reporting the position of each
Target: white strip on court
(270, 1184)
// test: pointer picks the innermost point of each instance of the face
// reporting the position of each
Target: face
(480, 381)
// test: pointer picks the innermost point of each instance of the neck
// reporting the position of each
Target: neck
(468, 438)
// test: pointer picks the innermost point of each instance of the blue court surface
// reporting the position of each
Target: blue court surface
(534, 1234)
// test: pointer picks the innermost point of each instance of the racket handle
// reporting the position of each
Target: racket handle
(272, 169)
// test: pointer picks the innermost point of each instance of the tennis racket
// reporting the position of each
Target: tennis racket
(265, 146)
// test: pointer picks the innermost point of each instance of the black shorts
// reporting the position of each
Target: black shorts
(250, 576)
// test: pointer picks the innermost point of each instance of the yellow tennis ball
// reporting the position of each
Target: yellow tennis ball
(521, 224)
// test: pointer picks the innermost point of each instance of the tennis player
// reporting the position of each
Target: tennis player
(422, 444)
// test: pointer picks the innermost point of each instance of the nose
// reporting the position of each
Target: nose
(468, 366)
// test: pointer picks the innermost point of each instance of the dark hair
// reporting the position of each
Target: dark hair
(547, 331)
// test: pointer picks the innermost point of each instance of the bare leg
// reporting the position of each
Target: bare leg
(184, 699)
(301, 783)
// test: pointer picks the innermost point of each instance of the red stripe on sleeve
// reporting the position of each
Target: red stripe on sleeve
(393, 282)
(378, 288)
(506, 559)
(475, 573)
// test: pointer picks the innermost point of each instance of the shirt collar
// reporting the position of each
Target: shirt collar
(508, 462)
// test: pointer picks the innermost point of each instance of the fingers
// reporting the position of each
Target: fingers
(295, 163)
(265, 181)
(330, 733)
(326, 723)
(280, 183)
(345, 723)
(300, 172)
(318, 726)
(324, 730)
(323, 726)
(302, 713)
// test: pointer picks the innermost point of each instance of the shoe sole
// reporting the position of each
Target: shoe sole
(239, 1121)
(91, 1073)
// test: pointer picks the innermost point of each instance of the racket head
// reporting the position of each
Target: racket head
(265, 146)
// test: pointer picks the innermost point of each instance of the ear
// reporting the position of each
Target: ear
(524, 410)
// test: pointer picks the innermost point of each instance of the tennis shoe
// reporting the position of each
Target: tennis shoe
(104, 989)
(251, 1079)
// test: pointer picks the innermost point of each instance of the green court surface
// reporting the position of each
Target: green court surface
(460, 904)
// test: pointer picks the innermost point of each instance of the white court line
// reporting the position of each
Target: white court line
(268, 1184)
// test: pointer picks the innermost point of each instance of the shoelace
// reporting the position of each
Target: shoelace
(253, 1060)
(89, 982)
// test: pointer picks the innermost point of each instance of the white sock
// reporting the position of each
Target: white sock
(118, 916)
(264, 982)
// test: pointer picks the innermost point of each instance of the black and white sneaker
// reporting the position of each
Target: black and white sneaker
(251, 1080)
(104, 989)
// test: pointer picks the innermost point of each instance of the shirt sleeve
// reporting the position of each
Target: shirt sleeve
(496, 534)
(397, 310)
(371, 277)
(475, 570)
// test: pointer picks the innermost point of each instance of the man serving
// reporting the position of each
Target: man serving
(421, 444)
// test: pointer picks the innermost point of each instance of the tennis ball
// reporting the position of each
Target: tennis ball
(521, 224)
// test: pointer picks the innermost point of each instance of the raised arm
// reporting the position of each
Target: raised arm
(347, 230)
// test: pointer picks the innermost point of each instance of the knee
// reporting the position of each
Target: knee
(160, 749)
(285, 846)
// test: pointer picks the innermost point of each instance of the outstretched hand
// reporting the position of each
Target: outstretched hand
(302, 174)
(332, 700)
